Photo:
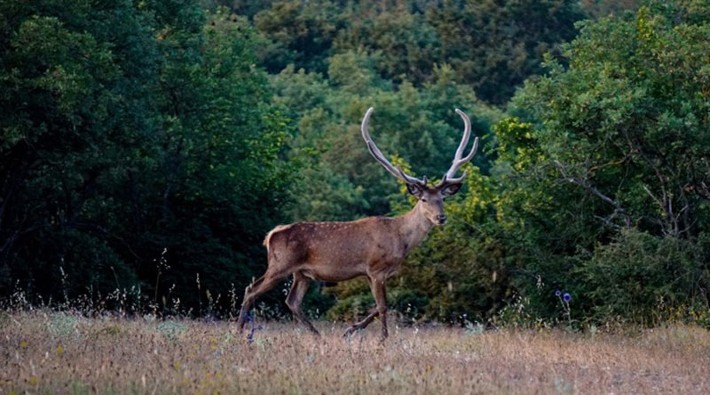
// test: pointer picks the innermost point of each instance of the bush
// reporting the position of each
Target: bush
(645, 279)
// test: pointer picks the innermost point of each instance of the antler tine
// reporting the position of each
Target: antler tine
(458, 160)
(377, 154)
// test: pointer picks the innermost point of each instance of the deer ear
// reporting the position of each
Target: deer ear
(450, 189)
(416, 190)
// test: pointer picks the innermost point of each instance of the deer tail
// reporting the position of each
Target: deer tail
(277, 229)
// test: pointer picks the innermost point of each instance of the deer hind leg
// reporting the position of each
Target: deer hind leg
(295, 298)
(362, 324)
(258, 287)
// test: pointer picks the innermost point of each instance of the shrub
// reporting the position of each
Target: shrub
(643, 278)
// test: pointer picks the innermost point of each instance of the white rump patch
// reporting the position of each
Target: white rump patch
(277, 229)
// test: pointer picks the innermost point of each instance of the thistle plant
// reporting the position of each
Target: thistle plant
(565, 298)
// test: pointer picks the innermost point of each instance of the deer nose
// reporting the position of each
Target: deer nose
(441, 218)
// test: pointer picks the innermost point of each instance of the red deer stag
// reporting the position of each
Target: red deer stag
(374, 247)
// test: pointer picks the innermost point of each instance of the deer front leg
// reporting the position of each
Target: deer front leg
(380, 293)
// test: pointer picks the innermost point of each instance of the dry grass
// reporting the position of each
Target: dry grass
(63, 353)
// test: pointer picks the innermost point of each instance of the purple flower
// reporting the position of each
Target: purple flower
(558, 293)
(567, 297)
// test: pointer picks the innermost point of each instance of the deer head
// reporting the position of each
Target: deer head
(430, 198)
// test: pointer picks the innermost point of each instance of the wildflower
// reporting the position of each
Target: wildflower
(567, 297)
(558, 293)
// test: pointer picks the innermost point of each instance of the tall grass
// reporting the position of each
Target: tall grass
(61, 352)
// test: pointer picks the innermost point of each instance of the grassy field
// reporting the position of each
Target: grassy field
(42, 352)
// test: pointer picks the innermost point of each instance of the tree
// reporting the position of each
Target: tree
(405, 46)
(135, 139)
(622, 137)
(417, 125)
(632, 114)
(495, 46)
(74, 115)
(300, 33)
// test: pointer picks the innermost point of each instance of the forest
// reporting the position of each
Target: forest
(147, 147)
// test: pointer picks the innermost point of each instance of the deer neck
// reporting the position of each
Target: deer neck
(414, 227)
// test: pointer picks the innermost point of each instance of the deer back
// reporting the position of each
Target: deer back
(336, 251)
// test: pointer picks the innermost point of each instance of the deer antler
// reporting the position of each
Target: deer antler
(458, 160)
(377, 154)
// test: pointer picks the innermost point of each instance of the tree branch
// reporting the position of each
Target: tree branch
(584, 183)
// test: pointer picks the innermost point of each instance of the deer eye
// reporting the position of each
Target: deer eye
(424, 200)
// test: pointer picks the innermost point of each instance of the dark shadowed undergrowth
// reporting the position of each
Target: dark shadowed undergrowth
(59, 352)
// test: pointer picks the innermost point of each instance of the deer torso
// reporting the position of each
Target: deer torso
(338, 251)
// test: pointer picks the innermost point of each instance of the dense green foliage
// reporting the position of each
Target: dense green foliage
(147, 147)
(622, 169)
(138, 142)
(491, 45)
